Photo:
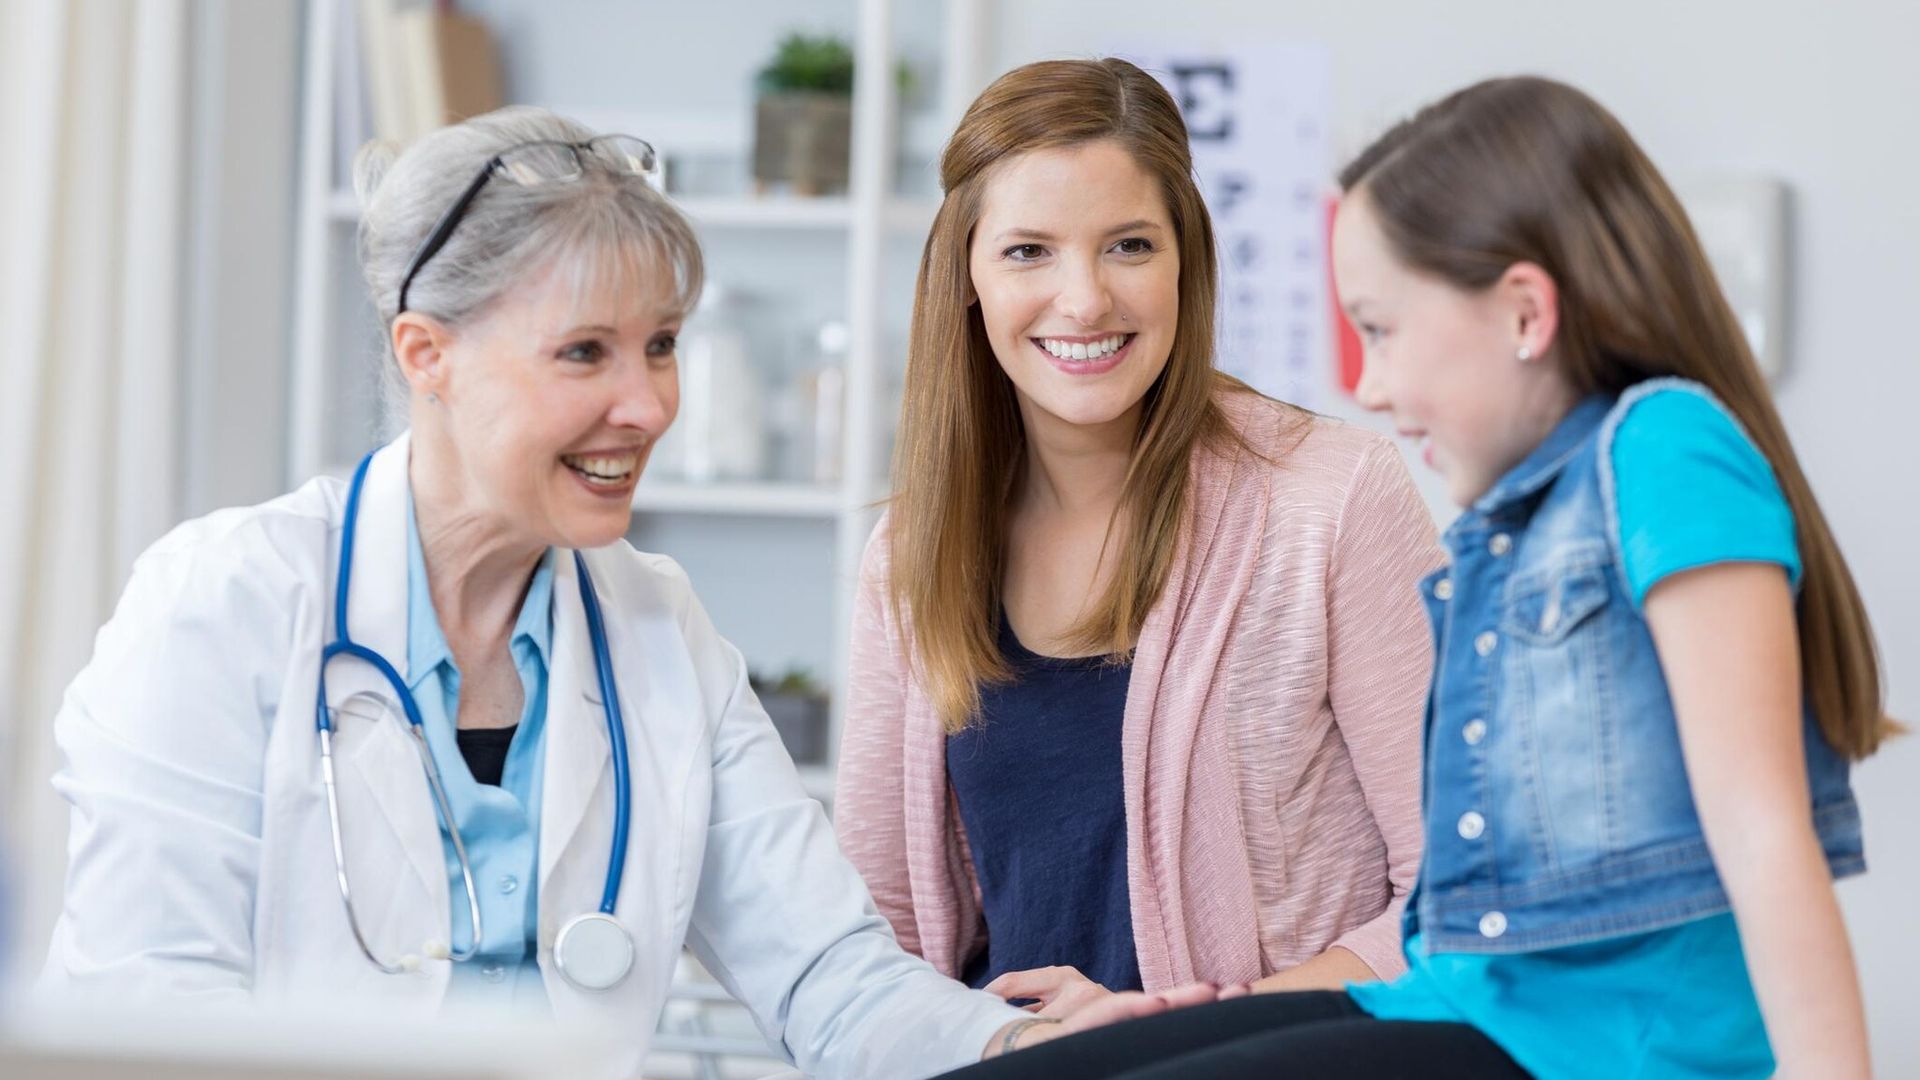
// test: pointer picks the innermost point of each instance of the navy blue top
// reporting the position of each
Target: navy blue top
(1038, 780)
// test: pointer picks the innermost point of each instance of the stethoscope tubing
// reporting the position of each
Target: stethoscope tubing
(416, 726)
(616, 737)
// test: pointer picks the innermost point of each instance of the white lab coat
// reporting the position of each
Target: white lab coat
(200, 851)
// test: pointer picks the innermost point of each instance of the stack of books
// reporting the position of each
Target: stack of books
(406, 68)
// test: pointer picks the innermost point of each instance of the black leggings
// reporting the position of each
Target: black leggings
(1300, 1035)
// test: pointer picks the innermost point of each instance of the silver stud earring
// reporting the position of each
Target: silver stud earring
(433, 397)
(1525, 354)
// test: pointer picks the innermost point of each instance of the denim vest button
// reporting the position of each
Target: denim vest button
(508, 884)
(1443, 589)
(1484, 644)
(1474, 731)
(1493, 924)
(494, 973)
(1500, 544)
(1472, 825)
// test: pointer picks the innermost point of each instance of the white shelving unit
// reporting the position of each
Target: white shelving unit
(829, 212)
(745, 500)
(333, 331)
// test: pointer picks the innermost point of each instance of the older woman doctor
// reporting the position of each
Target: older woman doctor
(437, 734)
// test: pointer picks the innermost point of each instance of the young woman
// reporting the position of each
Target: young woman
(1138, 663)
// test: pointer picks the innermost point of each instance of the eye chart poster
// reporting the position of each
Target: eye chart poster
(1258, 118)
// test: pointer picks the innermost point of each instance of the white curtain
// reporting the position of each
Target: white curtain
(94, 129)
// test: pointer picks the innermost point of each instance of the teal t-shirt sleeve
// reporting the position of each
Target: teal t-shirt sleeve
(1692, 490)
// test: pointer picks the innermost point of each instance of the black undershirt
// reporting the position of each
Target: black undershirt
(486, 751)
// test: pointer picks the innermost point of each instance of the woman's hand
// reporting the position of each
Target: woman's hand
(1106, 1007)
(1331, 970)
(1059, 991)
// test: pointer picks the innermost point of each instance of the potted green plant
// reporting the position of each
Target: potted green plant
(803, 117)
(798, 708)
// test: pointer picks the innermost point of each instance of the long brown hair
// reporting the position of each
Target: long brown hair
(1530, 170)
(961, 441)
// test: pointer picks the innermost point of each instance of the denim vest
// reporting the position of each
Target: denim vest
(1556, 800)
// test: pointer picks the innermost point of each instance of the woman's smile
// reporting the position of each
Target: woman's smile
(1085, 355)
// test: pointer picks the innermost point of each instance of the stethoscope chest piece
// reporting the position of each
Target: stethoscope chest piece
(593, 951)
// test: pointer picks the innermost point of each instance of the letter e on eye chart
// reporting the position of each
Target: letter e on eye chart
(1258, 118)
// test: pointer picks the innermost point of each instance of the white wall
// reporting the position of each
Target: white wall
(1823, 98)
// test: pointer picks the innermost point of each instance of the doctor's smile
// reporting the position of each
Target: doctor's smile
(605, 471)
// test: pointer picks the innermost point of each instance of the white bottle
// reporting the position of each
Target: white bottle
(722, 432)
(829, 385)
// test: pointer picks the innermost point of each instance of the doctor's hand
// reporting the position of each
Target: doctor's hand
(1105, 1008)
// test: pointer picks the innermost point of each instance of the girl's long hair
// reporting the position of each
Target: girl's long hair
(1530, 170)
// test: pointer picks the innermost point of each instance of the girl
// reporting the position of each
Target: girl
(1653, 667)
(1138, 662)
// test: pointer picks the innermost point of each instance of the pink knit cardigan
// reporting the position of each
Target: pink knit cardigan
(1271, 739)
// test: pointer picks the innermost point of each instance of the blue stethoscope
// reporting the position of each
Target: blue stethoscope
(592, 951)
